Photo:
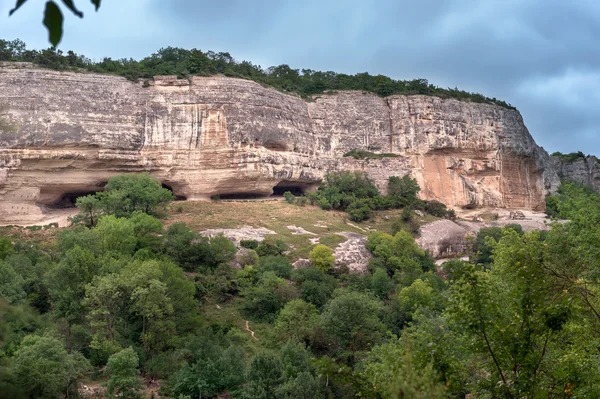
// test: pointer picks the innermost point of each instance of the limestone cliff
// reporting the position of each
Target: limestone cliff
(585, 170)
(217, 135)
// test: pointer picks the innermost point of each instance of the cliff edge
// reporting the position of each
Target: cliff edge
(232, 137)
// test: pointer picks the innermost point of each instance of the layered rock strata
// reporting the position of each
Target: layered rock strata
(233, 137)
(584, 170)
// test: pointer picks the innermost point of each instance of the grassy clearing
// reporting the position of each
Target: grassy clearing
(276, 216)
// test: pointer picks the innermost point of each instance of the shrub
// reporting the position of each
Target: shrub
(124, 195)
(404, 187)
(322, 257)
(250, 244)
(279, 265)
(359, 210)
(267, 248)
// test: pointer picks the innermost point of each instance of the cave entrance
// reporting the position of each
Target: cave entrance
(68, 200)
(296, 188)
(170, 188)
(241, 196)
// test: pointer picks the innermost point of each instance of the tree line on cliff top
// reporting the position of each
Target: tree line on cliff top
(187, 63)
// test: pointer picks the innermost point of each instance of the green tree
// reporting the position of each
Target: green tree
(90, 207)
(44, 369)
(11, 284)
(405, 187)
(513, 314)
(393, 372)
(122, 368)
(264, 376)
(352, 320)
(322, 257)
(67, 285)
(296, 320)
(314, 285)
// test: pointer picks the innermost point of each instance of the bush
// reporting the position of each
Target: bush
(124, 195)
(404, 187)
(359, 210)
(268, 248)
(279, 265)
(250, 244)
(322, 257)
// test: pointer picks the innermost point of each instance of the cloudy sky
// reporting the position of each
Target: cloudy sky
(543, 56)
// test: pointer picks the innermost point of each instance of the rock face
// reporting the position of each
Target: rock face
(233, 137)
(585, 170)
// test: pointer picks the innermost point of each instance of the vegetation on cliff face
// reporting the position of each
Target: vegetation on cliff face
(355, 193)
(186, 63)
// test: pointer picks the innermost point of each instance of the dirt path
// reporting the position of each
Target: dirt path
(60, 216)
(248, 329)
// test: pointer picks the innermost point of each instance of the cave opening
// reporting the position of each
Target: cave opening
(241, 196)
(69, 199)
(296, 188)
(170, 188)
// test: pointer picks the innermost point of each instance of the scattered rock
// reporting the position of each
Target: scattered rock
(419, 213)
(314, 240)
(299, 230)
(302, 262)
(516, 215)
(353, 253)
(242, 233)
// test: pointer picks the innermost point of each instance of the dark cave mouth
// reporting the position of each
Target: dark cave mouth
(296, 188)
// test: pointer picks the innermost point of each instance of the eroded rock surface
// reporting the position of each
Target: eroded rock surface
(585, 170)
(449, 239)
(353, 253)
(232, 137)
(239, 234)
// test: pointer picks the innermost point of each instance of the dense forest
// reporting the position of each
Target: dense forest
(121, 300)
(186, 63)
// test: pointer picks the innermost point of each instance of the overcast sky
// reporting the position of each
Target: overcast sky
(542, 56)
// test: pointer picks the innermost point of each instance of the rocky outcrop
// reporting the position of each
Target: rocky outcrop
(584, 170)
(218, 135)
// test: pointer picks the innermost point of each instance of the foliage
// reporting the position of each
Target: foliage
(53, 17)
(271, 248)
(122, 367)
(124, 195)
(279, 265)
(363, 154)
(570, 157)
(322, 257)
(405, 187)
(351, 319)
(44, 369)
(186, 63)
(297, 320)
(250, 244)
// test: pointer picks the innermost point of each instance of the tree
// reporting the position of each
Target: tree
(53, 17)
(125, 194)
(296, 320)
(322, 257)
(393, 371)
(44, 369)
(122, 368)
(67, 285)
(90, 207)
(11, 284)
(405, 187)
(513, 313)
(352, 320)
(264, 375)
